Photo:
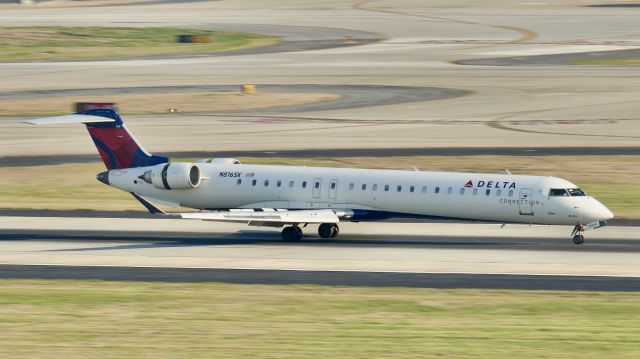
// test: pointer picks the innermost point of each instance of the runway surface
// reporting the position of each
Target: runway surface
(368, 279)
(406, 254)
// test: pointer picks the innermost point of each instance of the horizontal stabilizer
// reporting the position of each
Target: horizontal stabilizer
(76, 118)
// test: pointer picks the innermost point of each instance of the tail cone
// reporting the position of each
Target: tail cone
(103, 177)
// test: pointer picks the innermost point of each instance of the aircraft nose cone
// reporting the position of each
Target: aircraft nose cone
(606, 214)
(103, 177)
(601, 212)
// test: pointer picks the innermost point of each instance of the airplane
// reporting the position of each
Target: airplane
(291, 197)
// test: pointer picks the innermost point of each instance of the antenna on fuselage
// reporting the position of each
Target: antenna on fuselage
(415, 168)
(508, 172)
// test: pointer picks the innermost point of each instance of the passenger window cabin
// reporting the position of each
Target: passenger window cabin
(254, 182)
(399, 188)
(316, 185)
(239, 181)
(279, 183)
(364, 187)
(304, 184)
(437, 190)
(462, 190)
(375, 187)
(351, 186)
(386, 188)
(449, 190)
(411, 189)
(291, 183)
(424, 189)
(487, 192)
(266, 183)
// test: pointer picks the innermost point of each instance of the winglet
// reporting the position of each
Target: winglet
(150, 207)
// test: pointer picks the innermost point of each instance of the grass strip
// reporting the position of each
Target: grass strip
(98, 319)
(633, 61)
(90, 42)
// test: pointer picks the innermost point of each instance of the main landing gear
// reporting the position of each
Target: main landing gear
(294, 233)
(328, 230)
(578, 238)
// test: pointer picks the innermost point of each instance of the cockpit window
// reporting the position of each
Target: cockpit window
(558, 192)
(576, 192)
(561, 192)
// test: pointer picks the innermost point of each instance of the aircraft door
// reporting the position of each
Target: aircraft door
(526, 203)
(333, 189)
(317, 184)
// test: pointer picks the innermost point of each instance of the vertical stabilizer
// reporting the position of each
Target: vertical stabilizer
(116, 145)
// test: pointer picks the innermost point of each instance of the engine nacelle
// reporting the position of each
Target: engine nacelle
(222, 161)
(178, 175)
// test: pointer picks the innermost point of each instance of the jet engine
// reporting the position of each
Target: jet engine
(222, 161)
(178, 175)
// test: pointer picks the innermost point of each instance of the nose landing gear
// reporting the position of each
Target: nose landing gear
(578, 238)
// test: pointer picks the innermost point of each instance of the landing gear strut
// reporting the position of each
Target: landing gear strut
(292, 234)
(328, 230)
(578, 238)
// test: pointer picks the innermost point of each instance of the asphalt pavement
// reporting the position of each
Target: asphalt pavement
(337, 278)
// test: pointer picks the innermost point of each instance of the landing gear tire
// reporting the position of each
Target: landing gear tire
(292, 234)
(578, 239)
(328, 230)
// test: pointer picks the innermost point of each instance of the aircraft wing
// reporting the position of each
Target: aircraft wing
(265, 217)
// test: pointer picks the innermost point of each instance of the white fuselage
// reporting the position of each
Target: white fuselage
(368, 193)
